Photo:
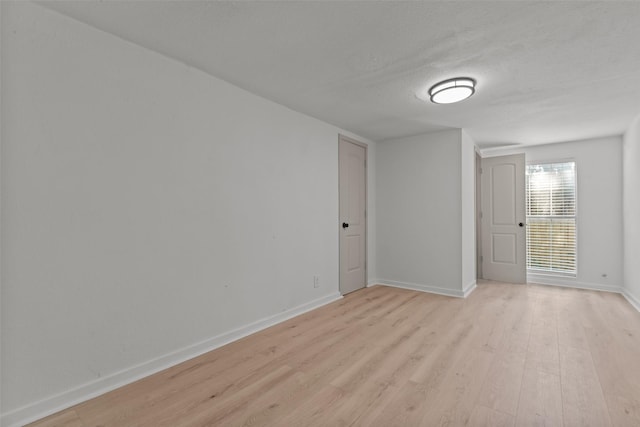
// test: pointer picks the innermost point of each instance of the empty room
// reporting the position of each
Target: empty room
(319, 213)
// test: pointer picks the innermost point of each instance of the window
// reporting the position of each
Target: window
(551, 218)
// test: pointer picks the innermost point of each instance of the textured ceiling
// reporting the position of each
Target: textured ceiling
(546, 71)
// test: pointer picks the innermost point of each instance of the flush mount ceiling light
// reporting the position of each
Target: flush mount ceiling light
(452, 90)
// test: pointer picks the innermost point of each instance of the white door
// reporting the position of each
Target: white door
(352, 224)
(503, 219)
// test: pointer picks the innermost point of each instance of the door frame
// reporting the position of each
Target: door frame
(343, 138)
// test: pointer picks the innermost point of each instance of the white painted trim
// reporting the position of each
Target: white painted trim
(633, 300)
(68, 398)
(533, 279)
(373, 282)
(569, 282)
(469, 288)
(429, 289)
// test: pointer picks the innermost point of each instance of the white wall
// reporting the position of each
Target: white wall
(631, 212)
(419, 184)
(599, 198)
(468, 209)
(2, 106)
(147, 208)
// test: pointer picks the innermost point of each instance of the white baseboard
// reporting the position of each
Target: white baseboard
(68, 398)
(430, 289)
(469, 288)
(568, 282)
(635, 302)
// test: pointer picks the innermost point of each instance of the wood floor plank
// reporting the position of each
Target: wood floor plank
(358, 404)
(63, 419)
(453, 402)
(582, 397)
(205, 409)
(624, 411)
(486, 417)
(407, 407)
(543, 351)
(619, 376)
(312, 411)
(540, 402)
(501, 389)
(517, 320)
(507, 355)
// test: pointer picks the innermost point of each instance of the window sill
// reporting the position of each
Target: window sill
(544, 273)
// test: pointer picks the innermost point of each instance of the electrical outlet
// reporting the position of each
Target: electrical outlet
(316, 281)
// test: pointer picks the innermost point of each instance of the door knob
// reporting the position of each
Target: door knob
(521, 224)
(345, 225)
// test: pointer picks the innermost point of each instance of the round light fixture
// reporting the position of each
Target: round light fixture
(452, 90)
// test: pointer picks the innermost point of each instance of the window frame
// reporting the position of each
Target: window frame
(575, 216)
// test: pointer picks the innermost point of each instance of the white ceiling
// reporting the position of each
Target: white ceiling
(546, 71)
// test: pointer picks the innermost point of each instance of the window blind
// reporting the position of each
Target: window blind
(551, 217)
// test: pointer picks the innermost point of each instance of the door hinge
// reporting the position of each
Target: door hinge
(480, 215)
(481, 258)
(480, 171)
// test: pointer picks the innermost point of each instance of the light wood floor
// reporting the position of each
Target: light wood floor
(507, 355)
